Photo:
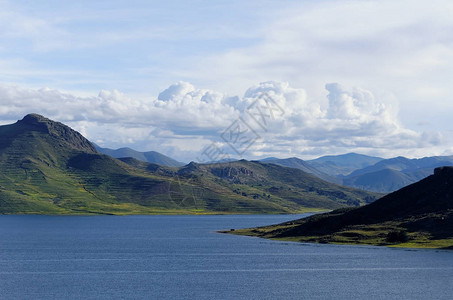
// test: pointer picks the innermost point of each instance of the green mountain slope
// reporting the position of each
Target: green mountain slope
(297, 163)
(419, 215)
(264, 182)
(36, 173)
(46, 167)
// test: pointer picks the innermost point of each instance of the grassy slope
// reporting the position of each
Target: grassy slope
(243, 185)
(287, 183)
(422, 213)
(367, 234)
(48, 168)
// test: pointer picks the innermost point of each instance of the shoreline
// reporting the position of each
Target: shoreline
(440, 244)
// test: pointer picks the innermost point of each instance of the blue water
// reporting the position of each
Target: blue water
(182, 257)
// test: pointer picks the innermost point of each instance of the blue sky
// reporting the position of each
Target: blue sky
(367, 76)
(134, 46)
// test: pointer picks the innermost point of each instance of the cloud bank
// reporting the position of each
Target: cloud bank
(182, 120)
(397, 49)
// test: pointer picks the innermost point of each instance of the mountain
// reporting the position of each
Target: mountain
(48, 168)
(289, 187)
(335, 165)
(383, 181)
(297, 163)
(149, 156)
(389, 175)
(406, 165)
(419, 215)
(268, 159)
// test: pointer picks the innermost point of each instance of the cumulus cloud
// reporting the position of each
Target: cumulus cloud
(183, 119)
(353, 120)
(395, 48)
(175, 91)
(113, 118)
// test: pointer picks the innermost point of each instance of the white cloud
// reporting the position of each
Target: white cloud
(353, 120)
(183, 120)
(403, 48)
(176, 91)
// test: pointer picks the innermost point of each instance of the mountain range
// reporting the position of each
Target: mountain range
(305, 166)
(419, 215)
(344, 164)
(368, 172)
(365, 172)
(48, 168)
(149, 156)
(389, 175)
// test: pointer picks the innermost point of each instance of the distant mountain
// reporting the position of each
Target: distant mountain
(269, 159)
(297, 163)
(389, 175)
(149, 156)
(405, 164)
(337, 165)
(419, 215)
(382, 181)
(48, 168)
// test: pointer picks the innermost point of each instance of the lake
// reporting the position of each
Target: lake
(182, 257)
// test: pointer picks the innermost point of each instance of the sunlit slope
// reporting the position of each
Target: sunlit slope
(46, 167)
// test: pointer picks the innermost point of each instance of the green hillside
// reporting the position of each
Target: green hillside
(294, 162)
(419, 215)
(263, 182)
(48, 168)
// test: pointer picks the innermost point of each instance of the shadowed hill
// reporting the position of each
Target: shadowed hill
(149, 156)
(419, 215)
(31, 127)
(383, 181)
(337, 165)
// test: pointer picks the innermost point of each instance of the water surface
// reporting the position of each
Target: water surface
(182, 257)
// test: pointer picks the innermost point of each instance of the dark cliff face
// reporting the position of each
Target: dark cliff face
(444, 171)
(425, 206)
(58, 130)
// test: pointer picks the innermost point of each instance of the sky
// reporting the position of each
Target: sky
(199, 80)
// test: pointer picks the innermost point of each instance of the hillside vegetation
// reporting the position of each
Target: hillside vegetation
(48, 168)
